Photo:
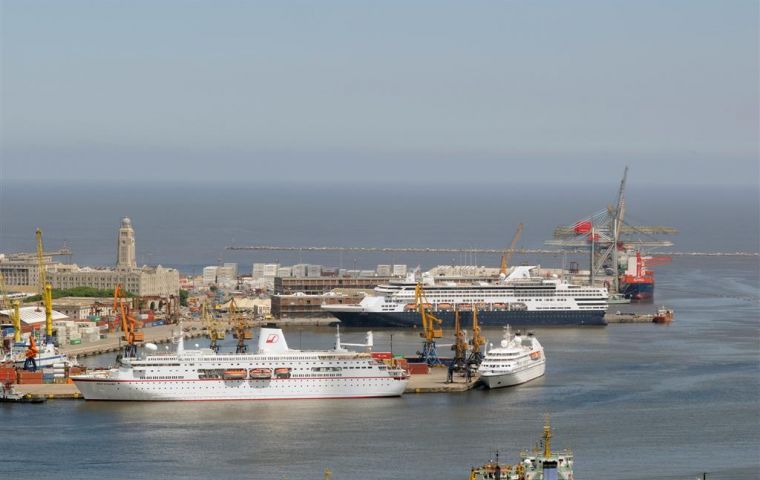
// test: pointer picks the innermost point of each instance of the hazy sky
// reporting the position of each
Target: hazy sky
(496, 91)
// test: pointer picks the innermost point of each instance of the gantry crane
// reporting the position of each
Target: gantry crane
(431, 328)
(46, 291)
(241, 327)
(606, 233)
(507, 256)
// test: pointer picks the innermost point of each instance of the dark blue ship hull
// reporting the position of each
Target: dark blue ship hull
(639, 292)
(495, 318)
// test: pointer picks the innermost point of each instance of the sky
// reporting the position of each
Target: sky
(393, 91)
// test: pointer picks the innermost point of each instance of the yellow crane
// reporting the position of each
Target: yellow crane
(46, 291)
(460, 348)
(431, 328)
(14, 307)
(213, 330)
(478, 340)
(507, 256)
(241, 327)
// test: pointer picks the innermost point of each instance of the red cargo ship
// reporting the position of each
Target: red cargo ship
(637, 283)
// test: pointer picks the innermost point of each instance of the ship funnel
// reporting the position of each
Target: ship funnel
(272, 340)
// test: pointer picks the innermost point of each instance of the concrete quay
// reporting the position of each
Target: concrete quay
(612, 318)
(160, 334)
(435, 382)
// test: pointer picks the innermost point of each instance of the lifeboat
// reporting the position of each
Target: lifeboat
(535, 355)
(410, 307)
(499, 306)
(260, 373)
(444, 306)
(465, 306)
(282, 372)
(235, 374)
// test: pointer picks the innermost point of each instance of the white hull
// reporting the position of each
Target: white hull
(509, 379)
(271, 389)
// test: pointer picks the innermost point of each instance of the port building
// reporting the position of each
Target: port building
(142, 281)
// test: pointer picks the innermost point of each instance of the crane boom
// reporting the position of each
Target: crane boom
(46, 291)
(507, 256)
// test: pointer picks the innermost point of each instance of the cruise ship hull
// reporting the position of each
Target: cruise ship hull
(492, 318)
(209, 390)
(510, 379)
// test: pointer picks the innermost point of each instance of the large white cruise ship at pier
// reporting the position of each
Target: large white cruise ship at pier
(517, 299)
(275, 372)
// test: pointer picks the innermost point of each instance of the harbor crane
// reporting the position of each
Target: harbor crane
(431, 328)
(477, 341)
(13, 306)
(241, 327)
(459, 364)
(213, 330)
(606, 234)
(506, 257)
(46, 290)
(129, 331)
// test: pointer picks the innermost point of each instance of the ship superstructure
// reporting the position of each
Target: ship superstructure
(517, 299)
(274, 372)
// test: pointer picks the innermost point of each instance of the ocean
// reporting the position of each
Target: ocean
(633, 401)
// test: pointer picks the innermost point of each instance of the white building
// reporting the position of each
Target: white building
(399, 270)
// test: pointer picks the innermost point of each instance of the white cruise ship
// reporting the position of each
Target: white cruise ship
(274, 372)
(518, 299)
(519, 359)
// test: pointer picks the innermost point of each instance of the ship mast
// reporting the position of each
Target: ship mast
(547, 438)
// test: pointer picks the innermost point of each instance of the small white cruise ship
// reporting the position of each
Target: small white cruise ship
(274, 372)
(517, 299)
(519, 359)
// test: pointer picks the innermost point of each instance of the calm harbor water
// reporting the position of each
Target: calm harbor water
(632, 401)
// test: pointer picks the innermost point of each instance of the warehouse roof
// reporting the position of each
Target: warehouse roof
(33, 315)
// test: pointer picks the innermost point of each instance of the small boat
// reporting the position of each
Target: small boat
(260, 373)
(10, 395)
(235, 374)
(663, 315)
(519, 359)
(547, 465)
(618, 298)
(282, 372)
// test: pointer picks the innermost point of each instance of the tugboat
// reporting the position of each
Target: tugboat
(10, 395)
(663, 315)
(532, 466)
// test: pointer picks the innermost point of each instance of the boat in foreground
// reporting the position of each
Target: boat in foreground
(275, 372)
(547, 465)
(519, 359)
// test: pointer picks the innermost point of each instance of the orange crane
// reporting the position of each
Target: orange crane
(431, 328)
(31, 354)
(507, 256)
(129, 330)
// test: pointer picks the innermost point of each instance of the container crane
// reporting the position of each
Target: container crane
(507, 256)
(46, 291)
(431, 328)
